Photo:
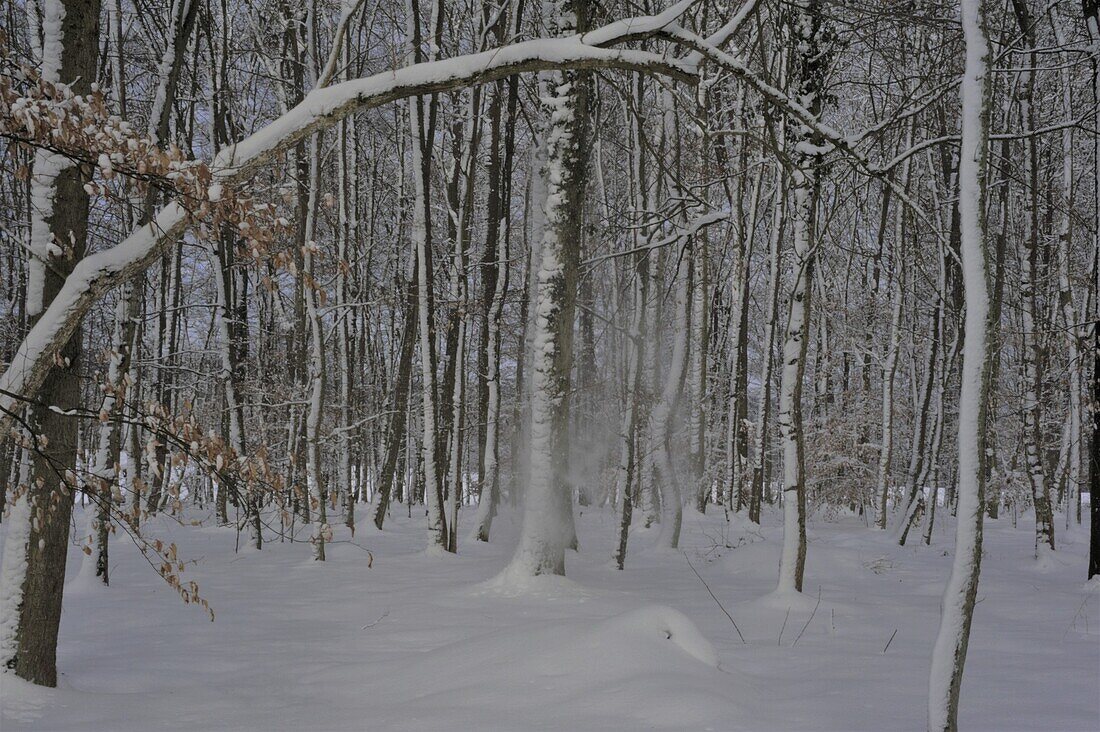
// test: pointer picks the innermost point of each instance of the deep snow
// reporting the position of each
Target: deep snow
(419, 642)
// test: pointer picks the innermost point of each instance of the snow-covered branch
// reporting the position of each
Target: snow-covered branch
(322, 108)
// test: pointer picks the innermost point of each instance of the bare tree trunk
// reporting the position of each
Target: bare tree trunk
(916, 473)
(546, 529)
(763, 417)
(1032, 349)
(889, 369)
(627, 472)
(495, 287)
(949, 652)
(32, 577)
(399, 408)
(737, 410)
(421, 233)
(1092, 21)
(810, 31)
(697, 423)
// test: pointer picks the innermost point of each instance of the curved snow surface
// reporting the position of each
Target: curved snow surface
(419, 642)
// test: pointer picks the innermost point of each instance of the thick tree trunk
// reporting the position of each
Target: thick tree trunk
(33, 574)
(547, 514)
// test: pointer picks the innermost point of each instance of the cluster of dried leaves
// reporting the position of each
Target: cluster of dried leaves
(122, 164)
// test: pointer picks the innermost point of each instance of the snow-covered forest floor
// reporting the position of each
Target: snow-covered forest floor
(408, 641)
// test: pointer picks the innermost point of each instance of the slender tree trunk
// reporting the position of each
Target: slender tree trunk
(763, 417)
(421, 128)
(952, 639)
(627, 478)
(889, 370)
(660, 430)
(737, 410)
(399, 408)
(1029, 274)
(1091, 10)
(809, 27)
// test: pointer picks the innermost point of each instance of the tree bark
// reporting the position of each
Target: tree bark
(952, 639)
(546, 528)
(33, 572)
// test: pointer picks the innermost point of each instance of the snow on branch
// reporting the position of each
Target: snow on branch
(98, 273)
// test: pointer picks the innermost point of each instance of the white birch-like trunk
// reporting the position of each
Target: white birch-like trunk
(808, 27)
(736, 421)
(660, 421)
(437, 527)
(1029, 311)
(949, 651)
(344, 243)
(763, 415)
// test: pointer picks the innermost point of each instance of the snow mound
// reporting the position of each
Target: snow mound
(659, 621)
(646, 668)
(515, 582)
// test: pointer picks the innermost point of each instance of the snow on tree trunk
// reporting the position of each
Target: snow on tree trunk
(346, 241)
(697, 423)
(310, 291)
(547, 529)
(13, 567)
(1075, 335)
(105, 465)
(421, 161)
(490, 489)
(34, 573)
(949, 651)
(737, 408)
(811, 64)
(627, 469)
(1029, 274)
(763, 415)
(660, 420)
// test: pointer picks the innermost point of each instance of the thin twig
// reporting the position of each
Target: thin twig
(807, 625)
(891, 640)
(720, 605)
(381, 617)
